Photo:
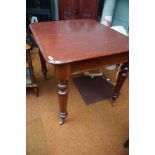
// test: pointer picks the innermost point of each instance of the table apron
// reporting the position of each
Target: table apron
(89, 64)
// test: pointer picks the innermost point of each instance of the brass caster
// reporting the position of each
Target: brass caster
(47, 78)
(105, 78)
(108, 79)
(62, 116)
(113, 103)
(62, 121)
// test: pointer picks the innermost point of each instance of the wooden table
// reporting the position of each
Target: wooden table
(74, 46)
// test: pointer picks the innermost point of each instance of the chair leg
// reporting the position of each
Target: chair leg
(36, 90)
(32, 76)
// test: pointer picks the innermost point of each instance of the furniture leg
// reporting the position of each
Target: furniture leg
(120, 80)
(33, 80)
(43, 65)
(62, 97)
(62, 73)
(31, 71)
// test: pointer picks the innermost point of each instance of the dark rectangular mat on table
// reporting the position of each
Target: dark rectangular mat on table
(93, 89)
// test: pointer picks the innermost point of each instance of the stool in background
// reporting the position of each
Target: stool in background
(30, 77)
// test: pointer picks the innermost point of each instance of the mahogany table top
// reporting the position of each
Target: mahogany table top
(75, 40)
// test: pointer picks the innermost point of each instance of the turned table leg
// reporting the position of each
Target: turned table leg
(62, 73)
(120, 80)
(43, 65)
(62, 97)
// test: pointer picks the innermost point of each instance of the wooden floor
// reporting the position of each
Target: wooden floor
(97, 129)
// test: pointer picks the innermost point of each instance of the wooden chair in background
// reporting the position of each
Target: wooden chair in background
(30, 77)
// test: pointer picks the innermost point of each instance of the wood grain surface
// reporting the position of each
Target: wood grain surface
(74, 40)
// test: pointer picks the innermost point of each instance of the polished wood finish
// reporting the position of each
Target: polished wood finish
(77, 9)
(63, 74)
(120, 80)
(31, 70)
(68, 9)
(74, 46)
(88, 9)
(96, 62)
(75, 40)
